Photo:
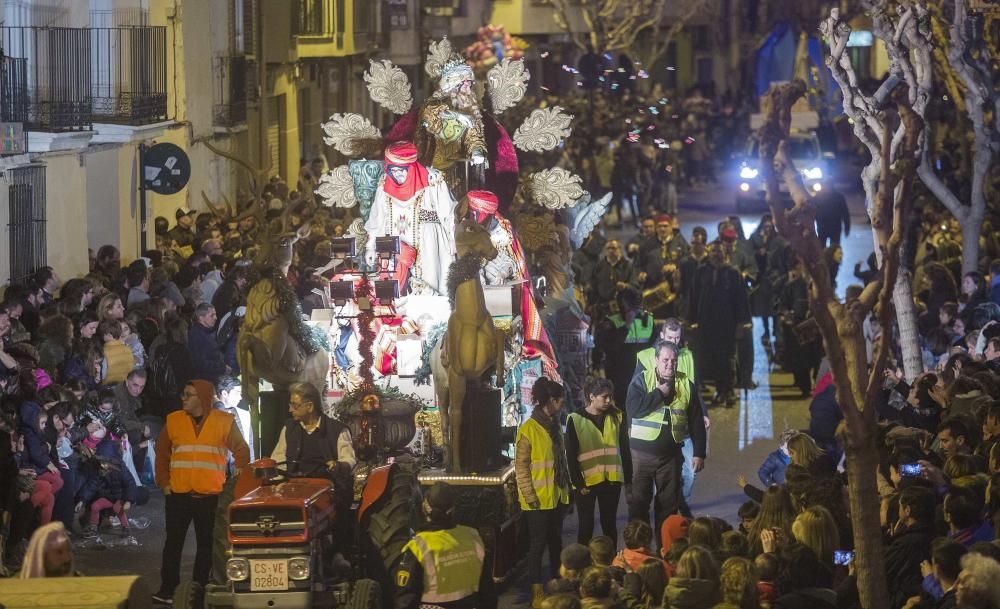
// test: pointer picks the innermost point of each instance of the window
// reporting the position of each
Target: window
(26, 220)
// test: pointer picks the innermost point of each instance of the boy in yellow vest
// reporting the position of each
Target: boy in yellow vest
(665, 409)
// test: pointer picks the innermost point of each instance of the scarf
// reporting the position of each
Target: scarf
(558, 446)
(404, 154)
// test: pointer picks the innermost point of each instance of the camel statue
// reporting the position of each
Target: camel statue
(471, 347)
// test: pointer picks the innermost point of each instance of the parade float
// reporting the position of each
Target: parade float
(434, 329)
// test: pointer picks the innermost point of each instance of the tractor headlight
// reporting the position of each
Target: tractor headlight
(237, 569)
(298, 568)
(813, 173)
(748, 173)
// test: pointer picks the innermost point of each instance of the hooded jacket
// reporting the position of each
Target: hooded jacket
(689, 593)
(36, 451)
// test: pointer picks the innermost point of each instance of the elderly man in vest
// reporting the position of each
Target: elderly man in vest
(191, 469)
(670, 331)
(445, 564)
(312, 444)
(665, 409)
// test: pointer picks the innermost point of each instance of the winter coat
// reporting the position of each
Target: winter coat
(903, 556)
(824, 416)
(169, 370)
(111, 481)
(118, 362)
(76, 368)
(207, 359)
(772, 471)
(689, 593)
(36, 450)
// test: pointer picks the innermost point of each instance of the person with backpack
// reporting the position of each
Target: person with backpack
(169, 367)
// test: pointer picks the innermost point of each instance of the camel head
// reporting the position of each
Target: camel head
(474, 239)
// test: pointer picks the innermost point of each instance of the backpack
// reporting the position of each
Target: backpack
(161, 381)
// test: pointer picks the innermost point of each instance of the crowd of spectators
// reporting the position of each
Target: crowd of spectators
(90, 368)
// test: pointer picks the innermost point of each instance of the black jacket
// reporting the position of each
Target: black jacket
(903, 556)
(207, 360)
(640, 403)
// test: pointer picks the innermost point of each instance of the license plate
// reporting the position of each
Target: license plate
(268, 575)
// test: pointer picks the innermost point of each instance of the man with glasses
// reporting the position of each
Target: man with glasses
(191, 470)
(314, 445)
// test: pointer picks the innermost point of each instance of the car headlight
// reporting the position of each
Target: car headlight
(748, 173)
(814, 173)
(237, 569)
(298, 568)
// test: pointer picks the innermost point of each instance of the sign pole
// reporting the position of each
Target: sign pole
(143, 214)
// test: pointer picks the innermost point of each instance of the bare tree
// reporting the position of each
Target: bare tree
(626, 25)
(870, 128)
(857, 386)
(969, 57)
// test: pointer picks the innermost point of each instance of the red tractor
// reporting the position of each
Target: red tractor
(279, 550)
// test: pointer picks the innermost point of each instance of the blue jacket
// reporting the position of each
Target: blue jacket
(207, 360)
(824, 415)
(36, 450)
(772, 471)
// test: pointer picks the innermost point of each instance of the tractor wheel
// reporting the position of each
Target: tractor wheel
(189, 595)
(367, 594)
(390, 525)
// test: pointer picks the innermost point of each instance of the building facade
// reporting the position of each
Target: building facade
(91, 81)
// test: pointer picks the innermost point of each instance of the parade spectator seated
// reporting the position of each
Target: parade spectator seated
(695, 583)
(118, 357)
(638, 538)
(109, 486)
(573, 560)
(772, 471)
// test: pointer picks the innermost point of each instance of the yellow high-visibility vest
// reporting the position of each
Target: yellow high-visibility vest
(600, 457)
(452, 560)
(543, 467)
(673, 415)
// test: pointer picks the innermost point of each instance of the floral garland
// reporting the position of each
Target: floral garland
(365, 319)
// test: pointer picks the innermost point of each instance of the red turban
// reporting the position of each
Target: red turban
(483, 202)
(404, 154)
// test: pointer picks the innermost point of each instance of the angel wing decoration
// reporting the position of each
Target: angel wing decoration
(555, 188)
(388, 86)
(337, 189)
(343, 131)
(584, 216)
(508, 83)
(438, 54)
(543, 130)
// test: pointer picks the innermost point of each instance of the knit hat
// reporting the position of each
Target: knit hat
(206, 393)
(673, 528)
(575, 557)
(664, 219)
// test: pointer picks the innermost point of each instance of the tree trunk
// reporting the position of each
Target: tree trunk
(906, 319)
(971, 227)
(862, 463)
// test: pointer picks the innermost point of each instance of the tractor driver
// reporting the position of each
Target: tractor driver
(314, 445)
(445, 564)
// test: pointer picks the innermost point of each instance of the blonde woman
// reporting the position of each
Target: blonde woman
(816, 529)
(803, 451)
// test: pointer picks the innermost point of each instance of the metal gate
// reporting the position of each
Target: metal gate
(26, 220)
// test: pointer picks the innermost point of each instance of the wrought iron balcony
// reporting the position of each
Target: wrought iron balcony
(129, 74)
(232, 82)
(77, 76)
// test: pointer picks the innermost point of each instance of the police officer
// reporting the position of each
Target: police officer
(665, 408)
(445, 564)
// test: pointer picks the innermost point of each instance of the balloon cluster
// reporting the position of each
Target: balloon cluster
(493, 45)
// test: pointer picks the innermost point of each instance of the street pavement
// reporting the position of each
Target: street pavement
(739, 438)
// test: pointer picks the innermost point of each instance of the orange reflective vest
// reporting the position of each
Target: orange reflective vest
(198, 458)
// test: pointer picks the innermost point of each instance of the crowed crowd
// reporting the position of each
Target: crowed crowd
(90, 368)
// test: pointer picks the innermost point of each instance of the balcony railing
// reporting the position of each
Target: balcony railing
(231, 90)
(77, 76)
(57, 67)
(129, 74)
(309, 17)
